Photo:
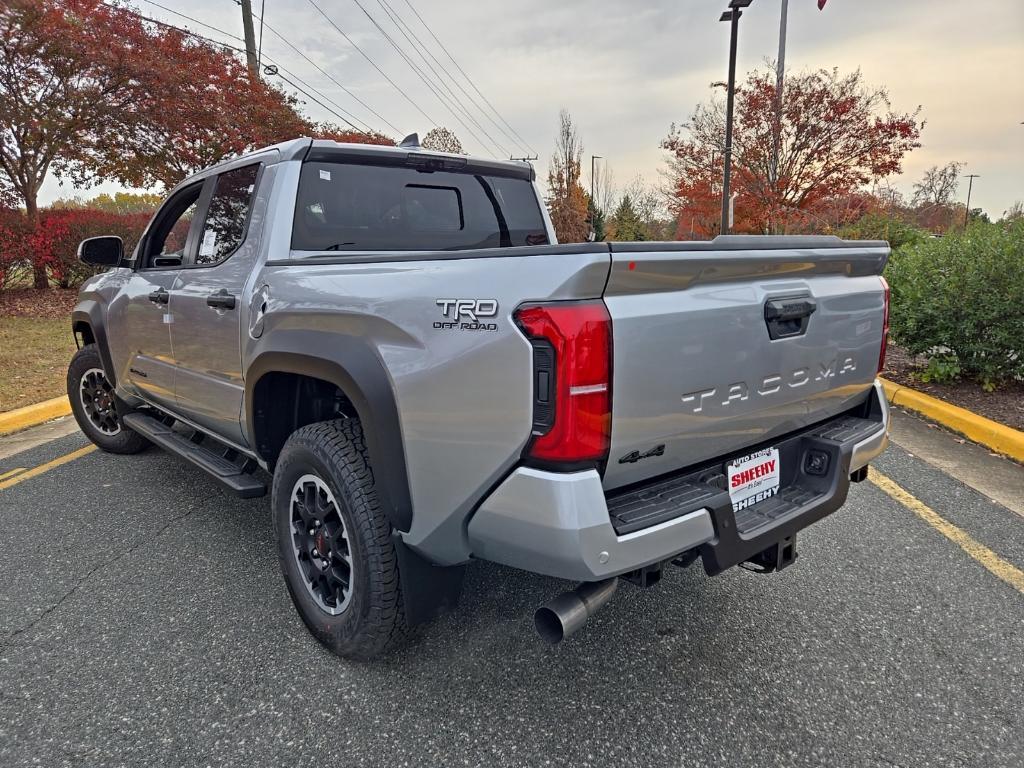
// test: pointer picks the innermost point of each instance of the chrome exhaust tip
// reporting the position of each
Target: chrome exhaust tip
(560, 617)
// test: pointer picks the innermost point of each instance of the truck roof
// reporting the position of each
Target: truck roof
(306, 148)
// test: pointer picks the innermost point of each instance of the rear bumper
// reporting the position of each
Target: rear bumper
(558, 524)
(563, 525)
(867, 449)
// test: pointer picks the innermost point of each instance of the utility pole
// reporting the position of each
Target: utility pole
(732, 16)
(970, 183)
(250, 39)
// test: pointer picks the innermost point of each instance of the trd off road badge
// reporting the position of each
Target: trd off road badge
(466, 314)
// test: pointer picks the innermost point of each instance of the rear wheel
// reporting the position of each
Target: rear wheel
(334, 542)
(94, 407)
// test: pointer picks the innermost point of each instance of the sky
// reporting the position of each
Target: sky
(627, 70)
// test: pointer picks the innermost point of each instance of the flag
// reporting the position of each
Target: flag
(821, 4)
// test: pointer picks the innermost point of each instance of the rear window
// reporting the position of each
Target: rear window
(350, 207)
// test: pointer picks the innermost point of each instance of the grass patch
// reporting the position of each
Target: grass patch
(34, 356)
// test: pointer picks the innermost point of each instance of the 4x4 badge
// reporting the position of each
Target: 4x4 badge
(634, 456)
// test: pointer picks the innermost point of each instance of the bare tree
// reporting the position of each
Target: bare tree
(890, 197)
(938, 186)
(604, 188)
(441, 139)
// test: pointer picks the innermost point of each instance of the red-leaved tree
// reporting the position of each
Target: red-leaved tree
(70, 71)
(200, 106)
(89, 90)
(836, 135)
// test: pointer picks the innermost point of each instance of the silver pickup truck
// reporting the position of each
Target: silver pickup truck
(396, 337)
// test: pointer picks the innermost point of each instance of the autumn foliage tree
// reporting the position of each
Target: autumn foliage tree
(69, 72)
(89, 89)
(568, 204)
(836, 135)
(200, 107)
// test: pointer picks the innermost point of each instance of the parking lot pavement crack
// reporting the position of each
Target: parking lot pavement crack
(122, 554)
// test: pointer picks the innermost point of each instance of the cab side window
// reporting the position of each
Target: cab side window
(227, 215)
(168, 237)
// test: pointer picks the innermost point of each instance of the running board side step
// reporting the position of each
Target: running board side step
(233, 477)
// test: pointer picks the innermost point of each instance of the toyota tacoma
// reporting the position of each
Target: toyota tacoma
(395, 337)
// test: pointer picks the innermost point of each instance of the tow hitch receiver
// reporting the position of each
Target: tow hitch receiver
(778, 556)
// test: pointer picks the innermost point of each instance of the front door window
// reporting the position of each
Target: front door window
(168, 238)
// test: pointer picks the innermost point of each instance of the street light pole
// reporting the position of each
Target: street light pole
(780, 78)
(970, 183)
(593, 204)
(732, 16)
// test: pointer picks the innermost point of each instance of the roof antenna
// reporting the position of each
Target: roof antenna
(412, 140)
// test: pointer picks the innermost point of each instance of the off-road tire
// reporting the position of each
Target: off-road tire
(373, 622)
(87, 362)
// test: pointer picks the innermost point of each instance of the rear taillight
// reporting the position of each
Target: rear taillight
(885, 327)
(572, 361)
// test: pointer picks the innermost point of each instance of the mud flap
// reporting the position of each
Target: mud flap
(428, 590)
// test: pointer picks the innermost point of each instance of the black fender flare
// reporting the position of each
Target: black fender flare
(357, 371)
(90, 313)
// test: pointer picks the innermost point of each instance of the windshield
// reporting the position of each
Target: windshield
(351, 207)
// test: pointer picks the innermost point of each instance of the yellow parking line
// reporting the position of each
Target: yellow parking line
(11, 473)
(36, 471)
(993, 562)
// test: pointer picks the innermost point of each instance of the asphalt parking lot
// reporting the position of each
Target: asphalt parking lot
(143, 621)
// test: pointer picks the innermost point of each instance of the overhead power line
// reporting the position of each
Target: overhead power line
(326, 74)
(424, 48)
(372, 62)
(469, 80)
(451, 104)
(423, 53)
(180, 29)
(237, 49)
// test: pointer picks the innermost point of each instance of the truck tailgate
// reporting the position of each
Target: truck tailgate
(723, 345)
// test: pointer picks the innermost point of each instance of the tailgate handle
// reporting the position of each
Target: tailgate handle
(788, 317)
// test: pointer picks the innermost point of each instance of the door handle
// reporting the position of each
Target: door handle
(159, 296)
(221, 300)
(788, 317)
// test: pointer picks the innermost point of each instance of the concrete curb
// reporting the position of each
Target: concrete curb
(31, 415)
(999, 437)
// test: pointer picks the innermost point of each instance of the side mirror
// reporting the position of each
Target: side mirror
(105, 251)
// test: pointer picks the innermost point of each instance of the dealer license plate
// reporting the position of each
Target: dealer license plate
(753, 478)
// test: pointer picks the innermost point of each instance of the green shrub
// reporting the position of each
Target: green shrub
(960, 301)
(878, 226)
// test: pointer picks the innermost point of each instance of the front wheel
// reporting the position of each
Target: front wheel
(94, 407)
(334, 541)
